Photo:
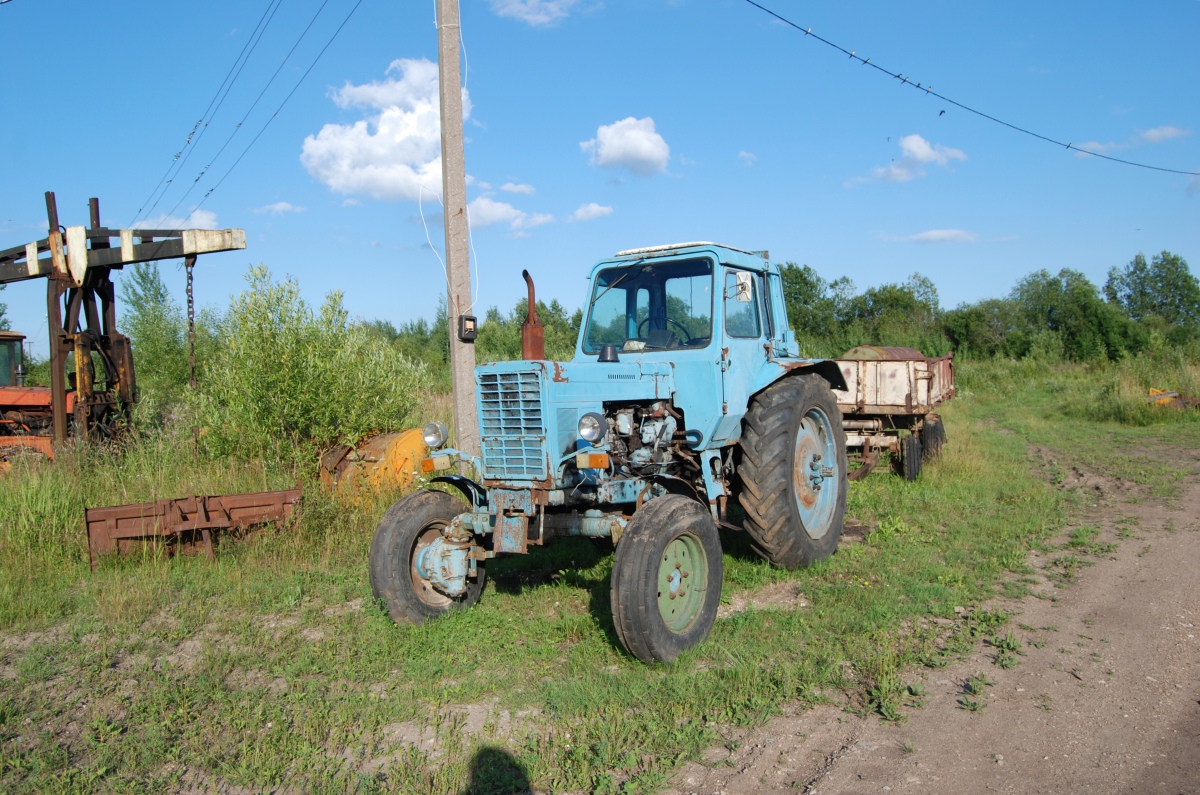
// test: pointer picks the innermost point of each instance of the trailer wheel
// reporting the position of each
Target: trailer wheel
(933, 434)
(666, 578)
(409, 525)
(794, 472)
(909, 463)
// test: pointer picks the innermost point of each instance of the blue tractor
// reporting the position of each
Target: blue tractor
(686, 394)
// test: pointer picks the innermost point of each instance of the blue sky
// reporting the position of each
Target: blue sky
(599, 126)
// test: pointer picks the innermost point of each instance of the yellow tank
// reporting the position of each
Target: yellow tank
(385, 460)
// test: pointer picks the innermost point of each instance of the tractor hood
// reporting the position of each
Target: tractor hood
(529, 411)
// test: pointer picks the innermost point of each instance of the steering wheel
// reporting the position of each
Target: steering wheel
(687, 338)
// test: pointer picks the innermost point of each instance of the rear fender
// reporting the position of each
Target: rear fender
(826, 368)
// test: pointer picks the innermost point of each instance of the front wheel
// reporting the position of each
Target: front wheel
(409, 526)
(666, 579)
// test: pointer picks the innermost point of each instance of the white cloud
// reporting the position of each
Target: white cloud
(515, 187)
(393, 153)
(590, 211)
(278, 208)
(938, 236)
(1097, 147)
(630, 143)
(748, 158)
(484, 211)
(488, 212)
(530, 221)
(1165, 133)
(917, 148)
(538, 13)
(916, 152)
(198, 219)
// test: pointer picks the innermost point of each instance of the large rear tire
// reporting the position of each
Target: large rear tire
(409, 525)
(909, 462)
(793, 471)
(666, 578)
(933, 435)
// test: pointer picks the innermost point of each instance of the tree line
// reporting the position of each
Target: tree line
(1143, 305)
(280, 379)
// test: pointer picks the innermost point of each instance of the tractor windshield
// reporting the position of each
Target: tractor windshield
(651, 307)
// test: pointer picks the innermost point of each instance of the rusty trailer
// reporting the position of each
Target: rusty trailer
(182, 523)
(889, 404)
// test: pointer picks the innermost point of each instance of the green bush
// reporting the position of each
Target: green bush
(285, 382)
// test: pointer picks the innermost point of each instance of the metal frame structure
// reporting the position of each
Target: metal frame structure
(81, 306)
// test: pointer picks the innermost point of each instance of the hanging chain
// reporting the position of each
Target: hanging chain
(189, 263)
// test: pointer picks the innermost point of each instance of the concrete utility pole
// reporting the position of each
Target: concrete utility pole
(454, 203)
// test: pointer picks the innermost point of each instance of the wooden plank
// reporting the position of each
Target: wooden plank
(16, 263)
(77, 253)
(190, 241)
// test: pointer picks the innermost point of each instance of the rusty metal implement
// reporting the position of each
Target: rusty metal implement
(185, 521)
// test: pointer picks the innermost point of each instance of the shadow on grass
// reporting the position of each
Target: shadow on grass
(495, 771)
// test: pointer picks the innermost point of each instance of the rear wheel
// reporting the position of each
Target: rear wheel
(933, 435)
(409, 526)
(909, 463)
(794, 472)
(666, 578)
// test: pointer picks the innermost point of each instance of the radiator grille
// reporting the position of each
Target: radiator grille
(511, 425)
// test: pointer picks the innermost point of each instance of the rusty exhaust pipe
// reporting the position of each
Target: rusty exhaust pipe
(533, 333)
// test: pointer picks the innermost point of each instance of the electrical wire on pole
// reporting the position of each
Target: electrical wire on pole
(206, 118)
(281, 105)
(928, 91)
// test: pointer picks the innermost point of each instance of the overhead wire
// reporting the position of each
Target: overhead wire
(253, 105)
(928, 90)
(205, 119)
(295, 88)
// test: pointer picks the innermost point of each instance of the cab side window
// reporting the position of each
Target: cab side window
(741, 305)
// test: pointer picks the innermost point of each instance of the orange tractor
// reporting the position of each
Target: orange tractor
(77, 263)
(25, 411)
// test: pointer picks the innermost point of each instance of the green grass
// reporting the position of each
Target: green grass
(272, 665)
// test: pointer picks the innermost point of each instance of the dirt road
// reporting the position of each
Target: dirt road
(1104, 699)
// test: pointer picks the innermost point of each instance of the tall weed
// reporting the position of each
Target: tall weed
(287, 381)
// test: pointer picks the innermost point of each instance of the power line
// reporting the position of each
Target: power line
(235, 71)
(281, 104)
(253, 105)
(928, 90)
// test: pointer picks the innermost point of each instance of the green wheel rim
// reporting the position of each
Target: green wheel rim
(682, 583)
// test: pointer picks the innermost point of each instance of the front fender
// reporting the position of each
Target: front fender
(475, 494)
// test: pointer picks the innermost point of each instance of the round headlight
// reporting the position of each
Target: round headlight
(592, 427)
(435, 435)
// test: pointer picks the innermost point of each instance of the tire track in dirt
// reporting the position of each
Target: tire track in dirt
(1105, 698)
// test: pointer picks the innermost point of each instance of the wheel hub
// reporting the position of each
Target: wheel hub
(681, 586)
(441, 565)
(815, 482)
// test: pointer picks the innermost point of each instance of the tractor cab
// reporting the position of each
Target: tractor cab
(12, 360)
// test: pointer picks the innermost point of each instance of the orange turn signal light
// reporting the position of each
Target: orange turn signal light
(591, 460)
(436, 463)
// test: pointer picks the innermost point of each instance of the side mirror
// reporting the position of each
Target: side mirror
(744, 287)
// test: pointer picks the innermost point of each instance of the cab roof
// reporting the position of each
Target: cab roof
(671, 248)
(756, 260)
